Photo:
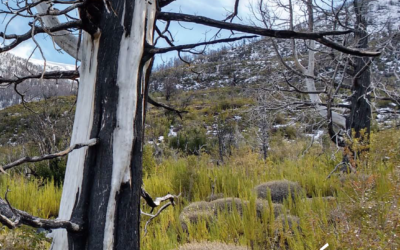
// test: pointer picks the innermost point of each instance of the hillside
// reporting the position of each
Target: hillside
(254, 61)
(221, 202)
(242, 63)
(12, 66)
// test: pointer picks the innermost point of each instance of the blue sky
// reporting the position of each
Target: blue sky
(192, 33)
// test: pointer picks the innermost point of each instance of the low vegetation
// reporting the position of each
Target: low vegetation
(242, 202)
(348, 211)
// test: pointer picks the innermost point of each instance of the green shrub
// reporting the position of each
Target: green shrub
(189, 141)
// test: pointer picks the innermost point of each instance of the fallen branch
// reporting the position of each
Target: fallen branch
(65, 152)
(334, 170)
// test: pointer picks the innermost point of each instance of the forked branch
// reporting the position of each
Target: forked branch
(155, 203)
(34, 31)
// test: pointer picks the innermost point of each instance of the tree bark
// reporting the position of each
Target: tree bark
(360, 115)
(102, 184)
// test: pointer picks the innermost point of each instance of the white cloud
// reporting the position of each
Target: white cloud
(23, 50)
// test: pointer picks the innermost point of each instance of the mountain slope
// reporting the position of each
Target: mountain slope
(34, 89)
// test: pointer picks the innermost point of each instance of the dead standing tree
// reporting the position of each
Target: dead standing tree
(344, 72)
(102, 187)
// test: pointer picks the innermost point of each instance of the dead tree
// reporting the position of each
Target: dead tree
(325, 88)
(360, 114)
(102, 186)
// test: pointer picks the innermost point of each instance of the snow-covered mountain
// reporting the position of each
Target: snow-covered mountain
(12, 66)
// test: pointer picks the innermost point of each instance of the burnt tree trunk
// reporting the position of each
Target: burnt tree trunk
(359, 118)
(102, 183)
(360, 115)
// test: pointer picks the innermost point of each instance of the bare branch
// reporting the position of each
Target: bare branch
(191, 46)
(152, 217)
(235, 12)
(34, 31)
(163, 3)
(65, 152)
(160, 105)
(155, 203)
(336, 168)
(317, 36)
(70, 74)
(301, 91)
(21, 217)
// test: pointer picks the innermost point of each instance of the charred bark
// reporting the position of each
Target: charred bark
(360, 115)
(102, 184)
(358, 122)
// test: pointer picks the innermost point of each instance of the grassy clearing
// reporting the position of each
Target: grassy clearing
(363, 215)
(36, 197)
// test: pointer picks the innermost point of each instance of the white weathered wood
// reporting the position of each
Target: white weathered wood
(64, 39)
(129, 63)
(337, 119)
(81, 131)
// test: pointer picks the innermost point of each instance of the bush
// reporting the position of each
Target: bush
(290, 132)
(51, 170)
(149, 163)
(280, 190)
(185, 177)
(190, 141)
(211, 246)
(208, 211)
